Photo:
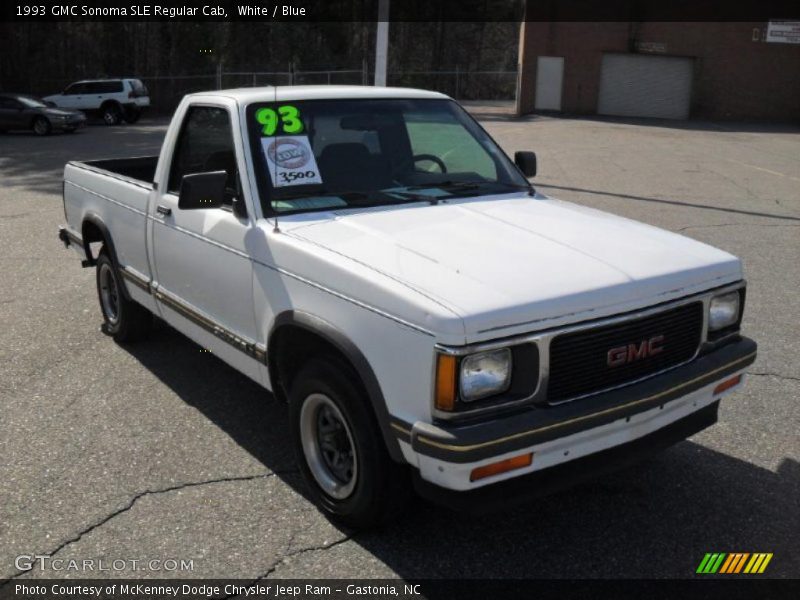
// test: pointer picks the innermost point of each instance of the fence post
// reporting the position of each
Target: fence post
(219, 75)
(456, 96)
(254, 80)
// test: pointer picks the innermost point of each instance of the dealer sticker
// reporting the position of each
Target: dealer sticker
(290, 160)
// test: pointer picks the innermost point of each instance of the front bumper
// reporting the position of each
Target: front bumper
(71, 123)
(447, 453)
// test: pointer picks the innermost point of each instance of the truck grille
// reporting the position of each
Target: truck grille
(579, 360)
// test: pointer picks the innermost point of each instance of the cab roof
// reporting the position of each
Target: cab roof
(319, 92)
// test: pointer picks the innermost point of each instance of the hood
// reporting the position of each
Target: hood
(507, 265)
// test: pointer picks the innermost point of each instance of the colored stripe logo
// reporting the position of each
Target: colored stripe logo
(734, 563)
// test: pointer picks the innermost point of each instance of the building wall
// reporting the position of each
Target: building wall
(734, 76)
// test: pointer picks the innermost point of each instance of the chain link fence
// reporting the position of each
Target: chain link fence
(166, 91)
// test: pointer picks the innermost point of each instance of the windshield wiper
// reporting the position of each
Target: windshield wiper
(351, 195)
(449, 184)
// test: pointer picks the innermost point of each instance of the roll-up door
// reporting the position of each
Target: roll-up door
(638, 85)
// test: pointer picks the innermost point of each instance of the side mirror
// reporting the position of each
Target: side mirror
(526, 161)
(202, 190)
(50, 103)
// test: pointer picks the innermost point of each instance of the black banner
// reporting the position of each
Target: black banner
(730, 588)
(400, 10)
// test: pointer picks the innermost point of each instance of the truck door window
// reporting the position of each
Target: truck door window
(205, 144)
(439, 134)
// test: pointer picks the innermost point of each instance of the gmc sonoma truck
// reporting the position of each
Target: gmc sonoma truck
(372, 257)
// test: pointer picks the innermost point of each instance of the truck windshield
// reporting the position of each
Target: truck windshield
(331, 154)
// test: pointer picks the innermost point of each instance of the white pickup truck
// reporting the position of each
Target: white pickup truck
(372, 257)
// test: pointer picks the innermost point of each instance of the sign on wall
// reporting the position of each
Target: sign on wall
(784, 32)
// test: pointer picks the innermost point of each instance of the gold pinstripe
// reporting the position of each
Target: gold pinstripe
(401, 429)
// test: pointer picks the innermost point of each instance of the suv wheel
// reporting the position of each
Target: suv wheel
(339, 447)
(111, 114)
(131, 115)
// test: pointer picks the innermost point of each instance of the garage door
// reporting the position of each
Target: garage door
(636, 85)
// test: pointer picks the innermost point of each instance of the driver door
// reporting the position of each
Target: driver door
(202, 269)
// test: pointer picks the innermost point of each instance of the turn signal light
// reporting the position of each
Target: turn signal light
(509, 464)
(726, 385)
(445, 382)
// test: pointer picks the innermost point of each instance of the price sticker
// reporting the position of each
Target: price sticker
(290, 161)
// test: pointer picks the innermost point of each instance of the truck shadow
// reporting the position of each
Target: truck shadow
(656, 519)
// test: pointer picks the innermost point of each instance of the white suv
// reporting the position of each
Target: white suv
(113, 99)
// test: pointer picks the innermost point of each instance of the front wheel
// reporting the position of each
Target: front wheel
(41, 126)
(339, 447)
(111, 114)
(123, 319)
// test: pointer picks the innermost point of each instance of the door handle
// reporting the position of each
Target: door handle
(163, 210)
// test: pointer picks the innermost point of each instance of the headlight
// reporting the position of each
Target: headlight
(723, 311)
(485, 374)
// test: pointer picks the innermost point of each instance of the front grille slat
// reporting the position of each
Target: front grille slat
(578, 360)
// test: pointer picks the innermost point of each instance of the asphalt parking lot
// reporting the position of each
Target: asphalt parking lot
(157, 450)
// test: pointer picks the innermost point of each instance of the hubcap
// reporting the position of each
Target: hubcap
(40, 126)
(109, 117)
(109, 294)
(328, 446)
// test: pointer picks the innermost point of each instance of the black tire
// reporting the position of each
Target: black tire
(131, 115)
(380, 487)
(123, 319)
(41, 126)
(111, 114)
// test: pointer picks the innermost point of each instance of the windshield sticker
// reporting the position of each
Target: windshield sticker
(290, 161)
(287, 117)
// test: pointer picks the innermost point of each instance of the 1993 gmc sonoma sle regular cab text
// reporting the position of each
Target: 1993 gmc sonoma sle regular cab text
(372, 257)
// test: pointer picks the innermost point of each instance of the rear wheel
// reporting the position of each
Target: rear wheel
(41, 126)
(111, 114)
(123, 319)
(339, 447)
(131, 115)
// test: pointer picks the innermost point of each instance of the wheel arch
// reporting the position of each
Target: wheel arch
(329, 336)
(110, 102)
(93, 229)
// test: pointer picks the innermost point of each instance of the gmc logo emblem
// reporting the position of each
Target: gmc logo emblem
(622, 355)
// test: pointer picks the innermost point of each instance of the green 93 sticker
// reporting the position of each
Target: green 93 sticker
(286, 118)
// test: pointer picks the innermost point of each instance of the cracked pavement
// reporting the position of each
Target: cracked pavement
(157, 450)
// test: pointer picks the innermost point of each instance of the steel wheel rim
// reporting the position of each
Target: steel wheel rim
(40, 126)
(328, 446)
(109, 294)
(109, 117)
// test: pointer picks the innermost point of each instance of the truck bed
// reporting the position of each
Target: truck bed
(141, 168)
